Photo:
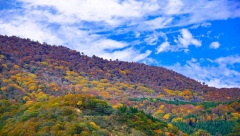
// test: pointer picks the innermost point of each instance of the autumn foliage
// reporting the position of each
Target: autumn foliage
(52, 90)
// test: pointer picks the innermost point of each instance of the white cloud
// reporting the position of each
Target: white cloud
(154, 38)
(128, 54)
(142, 56)
(183, 42)
(163, 47)
(173, 7)
(109, 44)
(217, 73)
(187, 39)
(112, 12)
(199, 11)
(29, 29)
(229, 60)
(206, 24)
(137, 34)
(151, 39)
(160, 22)
(214, 45)
(116, 13)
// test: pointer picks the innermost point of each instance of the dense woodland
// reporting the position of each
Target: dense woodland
(52, 90)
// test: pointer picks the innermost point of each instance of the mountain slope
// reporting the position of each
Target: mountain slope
(45, 60)
(52, 90)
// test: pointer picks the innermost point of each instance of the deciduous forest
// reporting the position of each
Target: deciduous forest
(48, 90)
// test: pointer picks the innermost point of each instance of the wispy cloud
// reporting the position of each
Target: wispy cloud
(157, 23)
(214, 45)
(187, 39)
(229, 60)
(155, 37)
(218, 73)
(111, 12)
(173, 7)
(152, 39)
(165, 46)
(206, 24)
(129, 54)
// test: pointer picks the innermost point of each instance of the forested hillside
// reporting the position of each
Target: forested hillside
(52, 90)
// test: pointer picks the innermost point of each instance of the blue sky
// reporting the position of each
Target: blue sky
(197, 38)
